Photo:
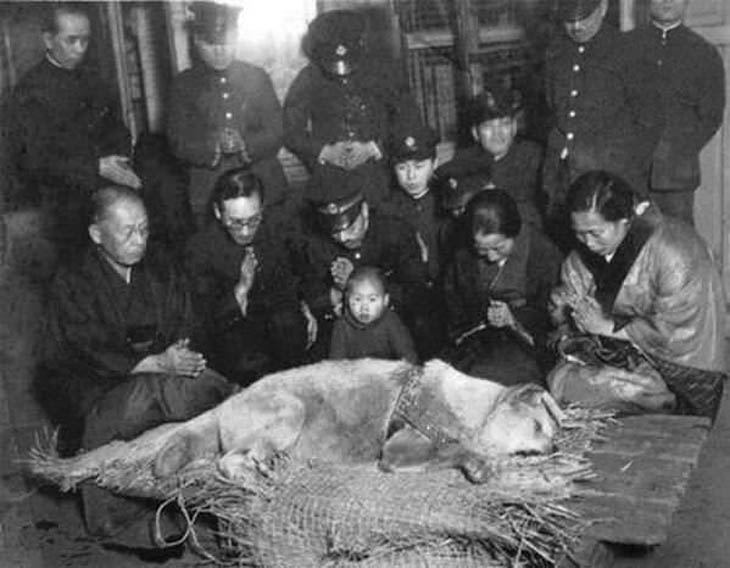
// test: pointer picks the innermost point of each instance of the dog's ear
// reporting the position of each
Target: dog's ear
(528, 393)
(553, 408)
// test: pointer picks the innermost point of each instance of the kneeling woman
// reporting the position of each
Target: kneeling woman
(642, 289)
(497, 291)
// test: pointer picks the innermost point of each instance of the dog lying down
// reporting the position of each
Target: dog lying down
(367, 410)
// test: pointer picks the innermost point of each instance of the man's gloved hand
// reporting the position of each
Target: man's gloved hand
(116, 169)
(360, 152)
(334, 154)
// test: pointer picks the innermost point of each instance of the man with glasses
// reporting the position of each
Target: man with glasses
(346, 232)
(121, 355)
(245, 274)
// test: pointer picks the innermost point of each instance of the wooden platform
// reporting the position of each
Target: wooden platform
(643, 468)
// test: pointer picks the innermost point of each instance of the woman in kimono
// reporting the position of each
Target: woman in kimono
(497, 291)
(643, 289)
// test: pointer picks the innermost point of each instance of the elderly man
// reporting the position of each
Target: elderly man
(691, 80)
(120, 354)
(224, 113)
(346, 232)
(67, 136)
(246, 282)
(605, 112)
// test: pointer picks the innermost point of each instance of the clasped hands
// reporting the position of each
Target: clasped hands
(349, 154)
(116, 169)
(500, 315)
(588, 316)
(229, 141)
(178, 359)
(340, 269)
(246, 278)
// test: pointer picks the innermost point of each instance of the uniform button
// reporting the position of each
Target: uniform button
(576, 68)
(570, 135)
(581, 48)
(357, 255)
(571, 114)
(659, 63)
(225, 95)
(229, 115)
(223, 80)
(574, 93)
(351, 134)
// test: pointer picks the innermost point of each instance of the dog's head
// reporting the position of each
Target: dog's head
(524, 420)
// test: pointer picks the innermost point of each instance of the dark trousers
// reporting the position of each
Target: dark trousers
(676, 203)
(259, 345)
(138, 404)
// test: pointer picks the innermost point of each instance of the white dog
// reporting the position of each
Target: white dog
(367, 410)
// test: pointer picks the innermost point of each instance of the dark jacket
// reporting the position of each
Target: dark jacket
(425, 220)
(518, 173)
(319, 110)
(386, 338)
(690, 77)
(524, 282)
(389, 244)
(203, 101)
(99, 328)
(604, 108)
(213, 263)
(61, 122)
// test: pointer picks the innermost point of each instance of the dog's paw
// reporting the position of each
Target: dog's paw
(179, 451)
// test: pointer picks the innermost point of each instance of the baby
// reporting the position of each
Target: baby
(368, 327)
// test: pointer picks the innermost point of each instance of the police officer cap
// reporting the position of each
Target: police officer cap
(335, 41)
(336, 195)
(458, 182)
(413, 141)
(494, 102)
(575, 10)
(214, 22)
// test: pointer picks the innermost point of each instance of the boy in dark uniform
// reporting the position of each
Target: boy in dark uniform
(339, 109)
(224, 113)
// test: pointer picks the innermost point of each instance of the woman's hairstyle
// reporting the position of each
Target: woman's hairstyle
(368, 274)
(493, 212)
(603, 192)
(239, 182)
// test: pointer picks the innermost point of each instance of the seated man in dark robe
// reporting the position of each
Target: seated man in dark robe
(120, 354)
(243, 268)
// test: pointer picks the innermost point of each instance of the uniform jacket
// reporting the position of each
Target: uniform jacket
(386, 338)
(661, 287)
(89, 339)
(203, 101)
(691, 80)
(319, 110)
(389, 244)
(61, 122)
(524, 282)
(518, 173)
(423, 216)
(213, 263)
(605, 112)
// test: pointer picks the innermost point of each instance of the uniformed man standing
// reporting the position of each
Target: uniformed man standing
(346, 232)
(339, 109)
(691, 80)
(224, 113)
(67, 135)
(605, 114)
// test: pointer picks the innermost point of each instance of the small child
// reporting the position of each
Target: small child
(368, 327)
